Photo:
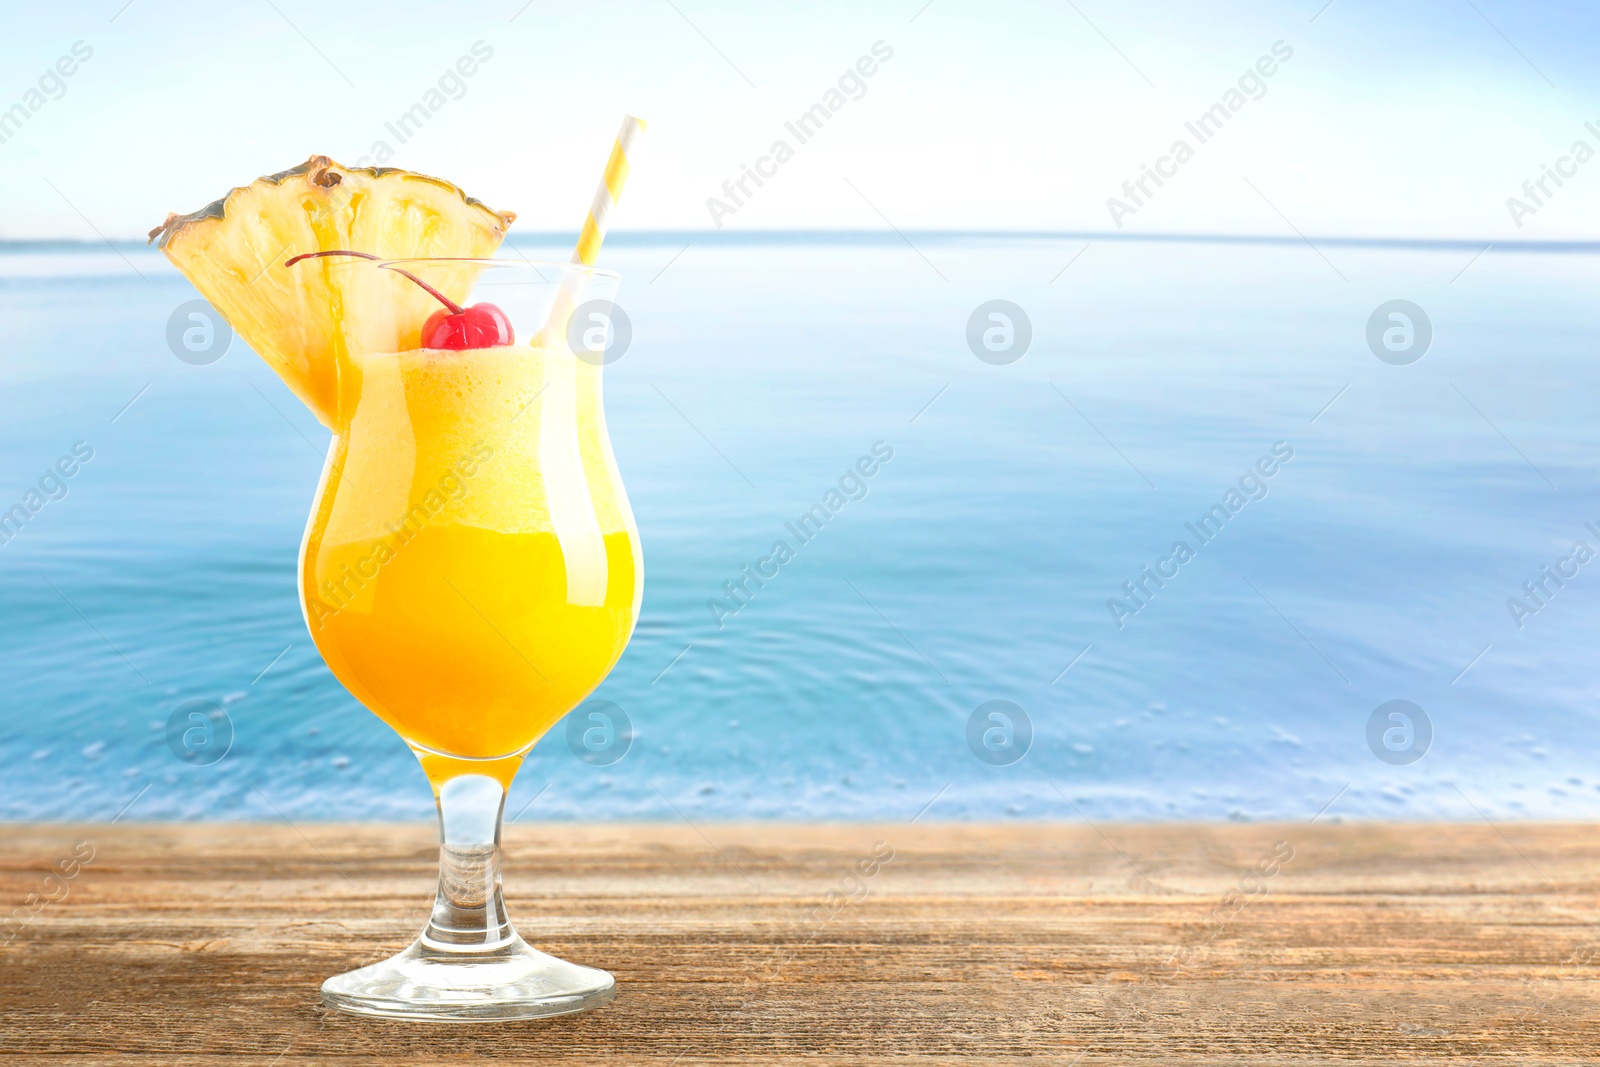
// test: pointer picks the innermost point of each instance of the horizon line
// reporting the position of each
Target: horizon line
(667, 238)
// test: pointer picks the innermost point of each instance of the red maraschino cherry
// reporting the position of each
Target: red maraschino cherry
(452, 327)
(478, 326)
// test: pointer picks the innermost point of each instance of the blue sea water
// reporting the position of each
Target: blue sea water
(978, 565)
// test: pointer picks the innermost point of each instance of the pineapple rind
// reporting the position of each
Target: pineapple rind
(218, 208)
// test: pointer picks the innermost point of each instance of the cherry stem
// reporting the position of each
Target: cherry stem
(455, 308)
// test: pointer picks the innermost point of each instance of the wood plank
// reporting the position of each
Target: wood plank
(1426, 943)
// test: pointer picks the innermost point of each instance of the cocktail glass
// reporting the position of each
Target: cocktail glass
(470, 572)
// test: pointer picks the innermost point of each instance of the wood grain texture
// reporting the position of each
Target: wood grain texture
(1050, 944)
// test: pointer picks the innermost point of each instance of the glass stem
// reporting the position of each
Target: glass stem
(469, 914)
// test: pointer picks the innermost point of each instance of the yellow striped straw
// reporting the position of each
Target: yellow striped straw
(610, 191)
(594, 232)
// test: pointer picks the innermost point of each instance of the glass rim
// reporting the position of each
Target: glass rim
(524, 264)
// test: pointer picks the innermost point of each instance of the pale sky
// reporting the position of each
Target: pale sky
(1389, 119)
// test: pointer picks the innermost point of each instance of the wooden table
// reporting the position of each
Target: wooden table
(1050, 944)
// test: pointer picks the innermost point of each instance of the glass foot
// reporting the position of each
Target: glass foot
(514, 981)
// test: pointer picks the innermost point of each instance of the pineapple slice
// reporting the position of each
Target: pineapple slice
(308, 320)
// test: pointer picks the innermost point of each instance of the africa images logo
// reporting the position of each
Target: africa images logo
(1251, 85)
(852, 486)
(1251, 486)
(805, 126)
(339, 591)
(52, 485)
